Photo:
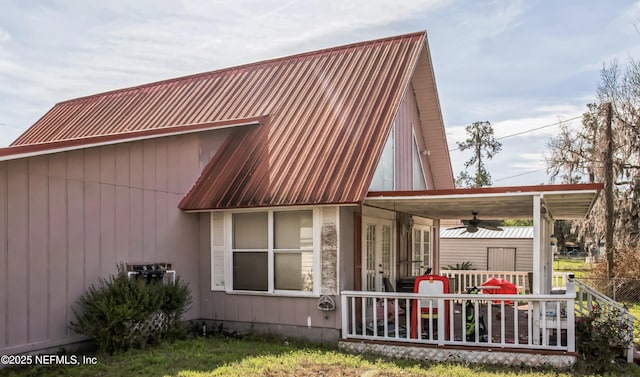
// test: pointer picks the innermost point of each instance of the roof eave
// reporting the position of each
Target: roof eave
(30, 150)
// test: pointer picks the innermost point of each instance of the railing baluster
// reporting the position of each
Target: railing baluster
(489, 322)
(503, 316)
(516, 324)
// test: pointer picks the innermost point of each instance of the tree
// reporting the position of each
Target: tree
(484, 146)
(606, 148)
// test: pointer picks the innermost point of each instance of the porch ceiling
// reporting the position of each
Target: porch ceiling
(561, 201)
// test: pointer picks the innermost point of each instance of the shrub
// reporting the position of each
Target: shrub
(460, 266)
(602, 341)
(122, 313)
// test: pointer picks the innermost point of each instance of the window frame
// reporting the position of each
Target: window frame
(421, 228)
(271, 252)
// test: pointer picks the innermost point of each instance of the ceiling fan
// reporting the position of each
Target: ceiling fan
(472, 226)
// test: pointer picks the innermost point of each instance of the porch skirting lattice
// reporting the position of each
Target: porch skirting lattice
(558, 360)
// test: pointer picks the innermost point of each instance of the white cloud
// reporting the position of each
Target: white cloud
(4, 35)
(519, 65)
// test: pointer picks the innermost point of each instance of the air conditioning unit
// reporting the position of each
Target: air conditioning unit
(152, 272)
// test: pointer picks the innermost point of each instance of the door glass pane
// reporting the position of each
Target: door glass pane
(417, 253)
(293, 230)
(426, 248)
(250, 230)
(250, 271)
(370, 252)
(294, 271)
(386, 250)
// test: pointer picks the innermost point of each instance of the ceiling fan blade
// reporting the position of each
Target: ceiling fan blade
(458, 227)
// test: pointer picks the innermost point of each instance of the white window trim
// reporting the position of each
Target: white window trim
(414, 141)
(228, 270)
(422, 228)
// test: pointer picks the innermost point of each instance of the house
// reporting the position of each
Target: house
(279, 190)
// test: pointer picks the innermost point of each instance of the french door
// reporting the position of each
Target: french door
(377, 253)
(421, 253)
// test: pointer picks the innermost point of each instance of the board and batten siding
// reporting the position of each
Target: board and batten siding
(407, 123)
(474, 250)
(67, 218)
(272, 312)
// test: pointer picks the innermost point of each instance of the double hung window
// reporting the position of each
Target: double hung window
(273, 251)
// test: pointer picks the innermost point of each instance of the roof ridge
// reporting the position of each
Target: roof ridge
(246, 65)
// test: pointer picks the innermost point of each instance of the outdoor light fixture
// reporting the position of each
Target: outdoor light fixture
(410, 224)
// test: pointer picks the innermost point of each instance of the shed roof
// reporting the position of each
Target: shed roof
(324, 118)
(508, 232)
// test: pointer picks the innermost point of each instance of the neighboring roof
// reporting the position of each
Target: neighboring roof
(324, 118)
(508, 232)
(560, 201)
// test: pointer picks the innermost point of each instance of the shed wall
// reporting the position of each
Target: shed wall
(474, 250)
(66, 219)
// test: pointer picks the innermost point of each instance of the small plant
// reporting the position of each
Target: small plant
(602, 340)
(122, 313)
(460, 266)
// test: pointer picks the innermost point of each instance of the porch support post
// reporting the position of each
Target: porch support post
(537, 266)
(537, 245)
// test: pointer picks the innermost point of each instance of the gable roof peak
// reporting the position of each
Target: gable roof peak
(265, 62)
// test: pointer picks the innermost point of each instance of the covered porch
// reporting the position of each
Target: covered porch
(533, 326)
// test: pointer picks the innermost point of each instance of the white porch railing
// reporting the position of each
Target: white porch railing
(588, 298)
(474, 278)
(511, 321)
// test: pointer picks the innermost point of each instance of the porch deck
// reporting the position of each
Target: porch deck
(518, 328)
(511, 321)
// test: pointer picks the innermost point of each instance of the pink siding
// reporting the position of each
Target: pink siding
(38, 248)
(17, 261)
(67, 218)
(273, 310)
(407, 119)
(4, 263)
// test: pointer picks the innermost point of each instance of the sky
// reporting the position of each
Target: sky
(521, 65)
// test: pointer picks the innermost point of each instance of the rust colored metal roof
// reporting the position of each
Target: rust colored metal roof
(329, 113)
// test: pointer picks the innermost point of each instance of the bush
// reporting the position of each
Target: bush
(460, 266)
(602, 340)
(122, 313)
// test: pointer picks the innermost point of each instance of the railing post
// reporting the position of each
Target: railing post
(441, 321)
(344, 313)
(571, 315)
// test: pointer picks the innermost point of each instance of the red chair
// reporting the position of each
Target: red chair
(430, 285)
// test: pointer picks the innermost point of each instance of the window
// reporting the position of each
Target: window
(384, 176)
(273, 251)
(419, 182)
(421, 249)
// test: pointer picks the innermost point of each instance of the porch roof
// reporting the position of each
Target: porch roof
(570, 201)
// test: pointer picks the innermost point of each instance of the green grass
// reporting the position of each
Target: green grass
(266, 357)
(578, 266)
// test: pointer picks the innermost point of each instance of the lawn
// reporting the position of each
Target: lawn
(205, 357)
(578, 266)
